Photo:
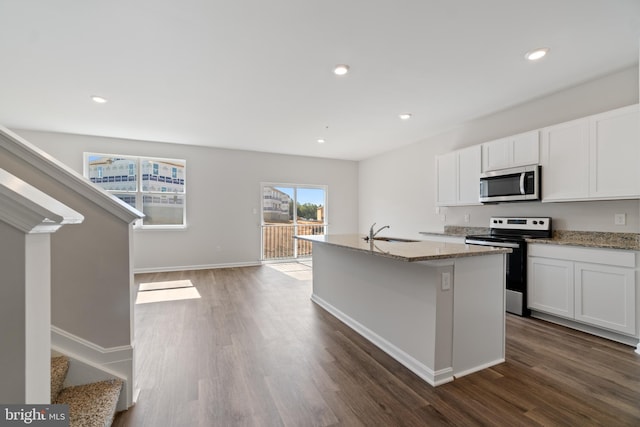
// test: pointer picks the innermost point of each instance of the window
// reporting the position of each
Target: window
(154, 186)
(289, 210)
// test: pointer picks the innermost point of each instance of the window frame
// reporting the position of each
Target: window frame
(139, 193)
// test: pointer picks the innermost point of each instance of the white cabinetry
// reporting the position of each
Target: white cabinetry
(605, 296)
(458, 177)
(512, 151)
(550, 286)
(596, 287)
(592, 158)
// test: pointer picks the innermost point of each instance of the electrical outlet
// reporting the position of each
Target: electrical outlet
(443, 218)
(446, 281)
(620, 219)
(467, 217)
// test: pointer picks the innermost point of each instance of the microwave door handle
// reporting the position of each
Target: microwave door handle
(522, 183)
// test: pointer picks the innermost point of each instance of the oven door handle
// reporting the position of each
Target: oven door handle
(495, 244)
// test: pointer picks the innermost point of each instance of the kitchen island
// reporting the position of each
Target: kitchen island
(437, 308)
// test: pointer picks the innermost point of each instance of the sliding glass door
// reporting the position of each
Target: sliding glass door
(289, 210)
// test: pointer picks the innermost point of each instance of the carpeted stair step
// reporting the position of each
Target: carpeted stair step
(59, 369)
(91, 405)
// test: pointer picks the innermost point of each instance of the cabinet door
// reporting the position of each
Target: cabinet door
(446, 179)
(525, 149)
(496, 154)
(605, 296)
(565, 161)
(550, 286)
(469, 176)
(615, 153)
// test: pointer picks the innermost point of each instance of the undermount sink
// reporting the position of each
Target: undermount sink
(395, 240)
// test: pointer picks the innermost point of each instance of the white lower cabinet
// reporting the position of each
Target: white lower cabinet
(605, 296)
(591, 286)
(550, 286)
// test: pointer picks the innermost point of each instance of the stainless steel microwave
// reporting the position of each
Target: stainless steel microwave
(510, 185)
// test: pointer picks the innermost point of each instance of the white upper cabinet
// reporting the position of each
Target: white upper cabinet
(458, 177)
(596, 157)
(469, 176)
(446, 179)
(615, 150)
(512, 151)
(565, 161)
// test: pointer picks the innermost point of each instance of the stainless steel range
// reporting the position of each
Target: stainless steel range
(509, 232)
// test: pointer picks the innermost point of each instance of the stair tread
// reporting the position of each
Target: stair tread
(91, 404)
(59, 368)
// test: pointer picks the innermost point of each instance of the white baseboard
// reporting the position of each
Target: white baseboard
(89, 362)
(434, 378)
(603, 333)
(479, 368)
(195, 267)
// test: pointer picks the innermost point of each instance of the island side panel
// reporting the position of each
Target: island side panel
(479, 313)
(397, 305)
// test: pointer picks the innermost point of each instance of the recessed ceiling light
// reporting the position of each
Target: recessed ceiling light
(404, 116)
(341, 69)
(321, 141)
(98, 99)
(536, 54)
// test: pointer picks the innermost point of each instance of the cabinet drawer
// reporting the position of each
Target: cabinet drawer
(620, 258)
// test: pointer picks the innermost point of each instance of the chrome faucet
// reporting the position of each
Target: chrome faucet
(373, 234)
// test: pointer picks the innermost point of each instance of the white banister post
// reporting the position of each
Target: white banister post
(37, 288)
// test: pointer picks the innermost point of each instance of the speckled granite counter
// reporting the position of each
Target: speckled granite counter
(405, 251)
(588, 239)
(593, 239)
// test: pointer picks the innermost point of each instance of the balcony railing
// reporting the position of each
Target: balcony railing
(278, 242)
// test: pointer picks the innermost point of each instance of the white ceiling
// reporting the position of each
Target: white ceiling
(257, 74)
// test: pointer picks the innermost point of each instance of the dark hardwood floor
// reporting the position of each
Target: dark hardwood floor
(253, 350)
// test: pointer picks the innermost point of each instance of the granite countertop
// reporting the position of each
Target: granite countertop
(422, 250)
(587, 239)
(593, 239)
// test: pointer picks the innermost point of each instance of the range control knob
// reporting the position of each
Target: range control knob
(541, 222)
(535, 222)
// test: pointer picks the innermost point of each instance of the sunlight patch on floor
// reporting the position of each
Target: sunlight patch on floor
(174, 290)
(297, 270)
(171, 284)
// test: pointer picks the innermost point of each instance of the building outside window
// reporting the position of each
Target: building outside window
(154, 186)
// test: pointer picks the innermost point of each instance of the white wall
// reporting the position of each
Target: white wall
(398, 188)
(223, 189)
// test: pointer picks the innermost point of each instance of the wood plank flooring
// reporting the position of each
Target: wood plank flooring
(253, 350)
